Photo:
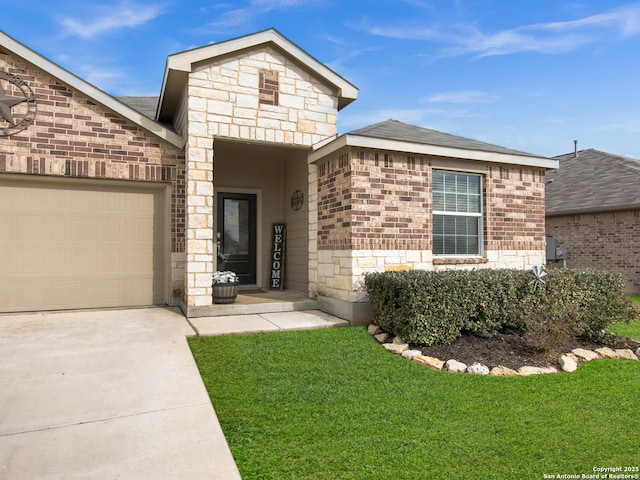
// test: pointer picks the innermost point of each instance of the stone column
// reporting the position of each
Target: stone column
(200, 247)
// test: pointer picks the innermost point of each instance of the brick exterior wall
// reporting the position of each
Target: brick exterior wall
(73, 137)
(514, 208)
(373, 213)
(382, 201)
(374, 200)
(602, 241)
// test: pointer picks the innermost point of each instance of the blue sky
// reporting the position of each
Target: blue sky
(529, 74)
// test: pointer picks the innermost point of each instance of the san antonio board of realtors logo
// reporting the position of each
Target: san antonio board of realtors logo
(17, 104)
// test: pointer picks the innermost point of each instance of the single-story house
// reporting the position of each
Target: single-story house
(593, 213)
(111, 202)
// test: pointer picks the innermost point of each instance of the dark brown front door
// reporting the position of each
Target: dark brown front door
(237, 235)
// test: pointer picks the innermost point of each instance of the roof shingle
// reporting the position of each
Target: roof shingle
(593, 181)
(145, 105)
(395, 130)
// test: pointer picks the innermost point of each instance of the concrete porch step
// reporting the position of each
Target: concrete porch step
(257, 302)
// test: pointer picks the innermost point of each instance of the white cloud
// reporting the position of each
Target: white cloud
(100, 19)
(461, 97)
(630, 126)
(107, 80)
(550, 37)
(340, 64)
(242, 16)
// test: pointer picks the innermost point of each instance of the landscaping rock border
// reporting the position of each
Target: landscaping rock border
(568, 362)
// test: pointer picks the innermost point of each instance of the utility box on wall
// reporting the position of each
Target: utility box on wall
(552, 246)
(554, 252)
(561, 253)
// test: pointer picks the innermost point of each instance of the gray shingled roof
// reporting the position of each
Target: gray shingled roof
(591, 182)
(145, 105)
(395, 130)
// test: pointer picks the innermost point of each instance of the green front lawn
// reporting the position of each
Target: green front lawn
(332, 404)
(631, 329)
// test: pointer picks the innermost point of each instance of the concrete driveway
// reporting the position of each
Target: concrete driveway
(105, 395)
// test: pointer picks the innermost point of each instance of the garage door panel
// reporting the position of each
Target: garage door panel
(71, 245)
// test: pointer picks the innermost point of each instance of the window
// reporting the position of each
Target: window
(457, 214)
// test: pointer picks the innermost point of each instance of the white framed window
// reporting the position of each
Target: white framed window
(457, 214)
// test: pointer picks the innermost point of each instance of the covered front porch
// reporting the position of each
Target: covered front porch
(256, 186)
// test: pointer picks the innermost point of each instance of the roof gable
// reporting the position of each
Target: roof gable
(74, 82)
(397, 136)
(179, 65)
(592, 181)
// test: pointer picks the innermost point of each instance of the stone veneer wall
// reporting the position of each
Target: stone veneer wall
(223, 102)
(374, 213)
(603, 241)
(73, 137)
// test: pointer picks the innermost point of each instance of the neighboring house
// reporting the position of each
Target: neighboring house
(123, 201)
(593, 210)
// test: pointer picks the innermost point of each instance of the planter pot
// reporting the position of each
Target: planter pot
(225, 292)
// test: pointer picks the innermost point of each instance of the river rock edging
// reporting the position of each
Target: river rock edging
(569, 362)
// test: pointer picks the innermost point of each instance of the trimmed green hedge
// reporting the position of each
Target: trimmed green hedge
(426, 307)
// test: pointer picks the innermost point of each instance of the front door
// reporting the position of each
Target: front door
(236, 235)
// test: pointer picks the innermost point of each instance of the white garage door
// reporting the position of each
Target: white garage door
(72, 244)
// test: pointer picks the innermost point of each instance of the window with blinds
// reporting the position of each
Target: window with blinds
(457, 214)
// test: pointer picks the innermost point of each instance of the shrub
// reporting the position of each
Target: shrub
(585, 302)
(421, 307)
(426, 307)
(603, 301)
(498, 294)
(548, 320)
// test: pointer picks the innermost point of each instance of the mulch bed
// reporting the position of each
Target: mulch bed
(509, 350)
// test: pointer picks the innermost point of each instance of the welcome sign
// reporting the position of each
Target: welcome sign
(277, 257)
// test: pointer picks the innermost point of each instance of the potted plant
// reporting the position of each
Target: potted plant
(225, 287)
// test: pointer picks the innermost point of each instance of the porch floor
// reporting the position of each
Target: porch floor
(257, 301)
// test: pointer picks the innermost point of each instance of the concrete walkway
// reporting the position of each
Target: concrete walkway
(265, 322)
(115, 394)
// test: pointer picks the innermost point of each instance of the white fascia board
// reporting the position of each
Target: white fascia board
(424, 149)
(89, 90)
(347, 90)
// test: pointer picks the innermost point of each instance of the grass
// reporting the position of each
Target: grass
(631, 329)
(333, 404)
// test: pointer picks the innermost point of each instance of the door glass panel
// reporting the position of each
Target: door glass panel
(236, 227)
(236, 220)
